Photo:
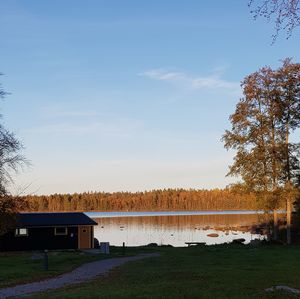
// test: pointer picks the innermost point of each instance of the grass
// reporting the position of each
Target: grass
(227, 271)
(19, 267)
(223, 271)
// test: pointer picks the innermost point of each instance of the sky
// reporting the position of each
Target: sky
(128, 95)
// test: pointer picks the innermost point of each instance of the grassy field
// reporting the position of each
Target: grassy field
(227, 271)
(19, 267)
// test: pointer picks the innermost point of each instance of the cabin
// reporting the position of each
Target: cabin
(41, 231)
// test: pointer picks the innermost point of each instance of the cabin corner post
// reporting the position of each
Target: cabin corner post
(78, 236)
(92, 236)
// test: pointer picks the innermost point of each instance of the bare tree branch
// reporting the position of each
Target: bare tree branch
(10, 161)
(286, 14)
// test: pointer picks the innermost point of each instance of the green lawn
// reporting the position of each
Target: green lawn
(225, 271)
(18, 267)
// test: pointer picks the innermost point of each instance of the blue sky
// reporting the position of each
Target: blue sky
(128, 95)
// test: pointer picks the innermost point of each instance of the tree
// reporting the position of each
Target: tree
(285, 12)
(289, 85)
(10, 160)
(265, 117)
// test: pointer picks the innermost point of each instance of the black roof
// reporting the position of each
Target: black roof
(53, 219)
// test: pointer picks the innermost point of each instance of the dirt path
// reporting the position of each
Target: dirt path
(81, 274)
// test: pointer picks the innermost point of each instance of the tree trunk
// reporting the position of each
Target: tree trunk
(288, 200)
(288, 220)
(275, 226)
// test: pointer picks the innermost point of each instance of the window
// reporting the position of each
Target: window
(60, 231)
(21, 232)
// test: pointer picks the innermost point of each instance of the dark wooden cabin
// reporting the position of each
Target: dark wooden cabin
(40, 231)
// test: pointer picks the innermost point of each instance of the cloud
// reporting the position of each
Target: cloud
(64, 111)
(76, 113)
(159, 74)
(118, 128)
(212, 82)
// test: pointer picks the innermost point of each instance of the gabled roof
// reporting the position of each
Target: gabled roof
(53, 219)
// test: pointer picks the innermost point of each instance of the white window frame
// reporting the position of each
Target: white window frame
(21, 232)
(65, 233)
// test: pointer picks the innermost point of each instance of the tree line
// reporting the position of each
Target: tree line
(156, 200)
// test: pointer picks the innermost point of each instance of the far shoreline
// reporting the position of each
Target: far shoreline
(111, 214)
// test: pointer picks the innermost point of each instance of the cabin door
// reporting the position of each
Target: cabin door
(84, 237)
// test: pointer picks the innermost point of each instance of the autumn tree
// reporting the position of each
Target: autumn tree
(10, 161)
(264, 119)
(286, 13)
(289, 86)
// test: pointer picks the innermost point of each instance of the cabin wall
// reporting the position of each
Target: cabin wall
(40, 238)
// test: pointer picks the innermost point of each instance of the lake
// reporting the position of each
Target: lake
(176, 228)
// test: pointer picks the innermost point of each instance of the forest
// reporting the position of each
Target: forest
(156, 200)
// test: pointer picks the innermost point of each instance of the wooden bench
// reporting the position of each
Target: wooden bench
(194, 243)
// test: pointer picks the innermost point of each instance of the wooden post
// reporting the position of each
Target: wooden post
(123, 248)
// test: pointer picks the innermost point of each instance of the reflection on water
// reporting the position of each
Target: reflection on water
(169, 213)
(178, 229)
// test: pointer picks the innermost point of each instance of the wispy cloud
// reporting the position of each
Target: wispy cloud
(77, 113)
(120, 128)
(64, 111)
(212, 82)
(163, 75)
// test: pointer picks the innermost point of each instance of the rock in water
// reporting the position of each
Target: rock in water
(255, 242)
(238, 241)
(213, 235)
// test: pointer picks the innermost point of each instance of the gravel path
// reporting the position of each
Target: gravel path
(81, 274)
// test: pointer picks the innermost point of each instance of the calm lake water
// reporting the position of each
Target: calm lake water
(176, 228)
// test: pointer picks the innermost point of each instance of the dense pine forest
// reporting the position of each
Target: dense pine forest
(157, 200)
